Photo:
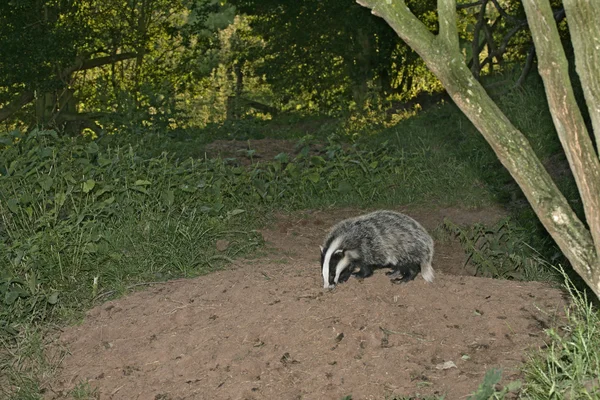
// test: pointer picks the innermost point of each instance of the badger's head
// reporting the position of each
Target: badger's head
(334, 262)
(329, 263)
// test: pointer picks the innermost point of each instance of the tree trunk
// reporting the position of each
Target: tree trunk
(570, 126)
(442, 55)
(584, 28)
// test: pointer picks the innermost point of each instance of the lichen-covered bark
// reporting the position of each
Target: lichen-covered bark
(570, 126)
(584, 28)
(443, 57)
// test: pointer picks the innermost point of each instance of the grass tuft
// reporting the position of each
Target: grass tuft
(570, 365)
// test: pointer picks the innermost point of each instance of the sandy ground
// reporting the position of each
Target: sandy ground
(265, 328)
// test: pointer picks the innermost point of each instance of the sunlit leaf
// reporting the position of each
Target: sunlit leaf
(10, 297)
(236, 212)
(314, 177)
(53, 298)
(88, 185)
(13, 205)
(168, 198)
(46, 183)
(141, 182)
(92, 148)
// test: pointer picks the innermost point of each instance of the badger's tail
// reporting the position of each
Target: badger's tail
(427, 271)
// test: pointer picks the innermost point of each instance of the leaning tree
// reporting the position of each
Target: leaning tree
(441, 53)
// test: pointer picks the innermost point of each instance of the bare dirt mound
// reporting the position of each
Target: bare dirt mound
(266, 329)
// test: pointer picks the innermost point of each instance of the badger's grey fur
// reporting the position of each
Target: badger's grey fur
(378, 239)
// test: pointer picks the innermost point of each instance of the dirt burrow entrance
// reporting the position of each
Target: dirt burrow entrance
(265, 329)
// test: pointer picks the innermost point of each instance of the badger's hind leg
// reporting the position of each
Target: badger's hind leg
(404, 272)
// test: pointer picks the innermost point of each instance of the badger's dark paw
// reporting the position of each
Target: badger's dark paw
(403, 278)
(395, 274)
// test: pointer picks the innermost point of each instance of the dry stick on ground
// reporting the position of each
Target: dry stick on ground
(441, 53)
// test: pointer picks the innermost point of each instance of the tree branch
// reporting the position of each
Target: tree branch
(475, 48)
(527, 66)
(503, 12)
(18, 103)
(80, 65)
(569, 123)
(468, 5)
(585, 36)
(447, 20)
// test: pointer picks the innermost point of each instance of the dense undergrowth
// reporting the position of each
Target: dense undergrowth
(82, 220)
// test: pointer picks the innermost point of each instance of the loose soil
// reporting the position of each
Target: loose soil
(265, 328)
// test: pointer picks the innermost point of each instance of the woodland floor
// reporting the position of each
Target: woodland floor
(265, 328)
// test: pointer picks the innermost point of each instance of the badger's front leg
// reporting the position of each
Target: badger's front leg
(340, 267)
(364, 272)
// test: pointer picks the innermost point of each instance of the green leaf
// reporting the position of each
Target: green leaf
(103, 162)
(314, 177)
(105, 189)
(32, 283)
(68, 176)
(282, 157)
(46, 152)
(187, 188)
(10, 297)
(487, 387)
(92, 148)
(141, 182)
(53, 298)
(317, 160)
(46, 183)
(108, 201)
(236, 212)
(514, 386)
(168, 198)
(13, 205)
(60, 198)
(88, 185)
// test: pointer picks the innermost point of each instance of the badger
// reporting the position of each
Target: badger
(381, 239)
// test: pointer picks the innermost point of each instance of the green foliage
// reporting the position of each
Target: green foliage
(499, 251)
(83, 391)
(161, 47)
(333, 55)
(488, 388)
(569, 367)
(36, 39)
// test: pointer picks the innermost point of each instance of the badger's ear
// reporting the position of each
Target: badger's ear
(321, 247)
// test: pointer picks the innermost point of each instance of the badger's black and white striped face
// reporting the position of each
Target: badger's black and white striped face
(328, 270)
(335, 261)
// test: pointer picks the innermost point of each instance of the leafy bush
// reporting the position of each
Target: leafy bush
(500, 251)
